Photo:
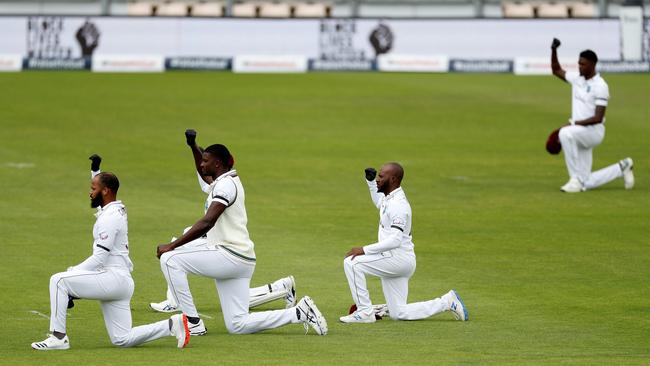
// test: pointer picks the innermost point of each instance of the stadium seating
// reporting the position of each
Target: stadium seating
(583, 10)
(310, 10)
(140, 8)
(172, 9)
(245, 10)
(211, 9)
(275, 10)
(552, 10)
(518, 10)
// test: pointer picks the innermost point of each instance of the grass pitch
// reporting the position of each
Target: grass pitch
(548, 278)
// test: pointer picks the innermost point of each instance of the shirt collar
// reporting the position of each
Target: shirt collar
(230, 173)
(100, 210)
(396, 192)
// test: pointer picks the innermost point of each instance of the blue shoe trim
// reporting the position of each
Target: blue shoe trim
(462, 303)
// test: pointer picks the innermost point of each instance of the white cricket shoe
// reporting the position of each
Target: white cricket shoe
(164, 307)
(197, 329)
(456, 306)
(52, 343)
(572, 186)
(358, 317)
(310, 316)
(180, 329)
(628, 175)
(290, 285)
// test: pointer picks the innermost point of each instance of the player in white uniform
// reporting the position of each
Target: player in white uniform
(586, 127)
(106, 276)
(392, 258)
(227, 256)
(284, 288)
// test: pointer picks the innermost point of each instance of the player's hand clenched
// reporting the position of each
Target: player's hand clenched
(95, 161)
(371, 173)
(190, 137)
(555, 44)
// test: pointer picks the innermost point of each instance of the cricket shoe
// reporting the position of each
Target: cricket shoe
(358, 317)
(310, 316)
(52, 343)
(197, 329)
(628, 175)
(572, 186)
(290, 285)
(164, 307)
(456, 306)
(180, 329)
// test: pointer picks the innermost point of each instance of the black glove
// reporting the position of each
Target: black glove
(71, 301)
(190, 136)
(556, 43)
(371, 173)
(96, 160)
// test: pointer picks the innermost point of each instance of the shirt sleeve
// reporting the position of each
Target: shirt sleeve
(205, 187)
(102, 245)
(393, 240)
(374, 195)
(571, 77)
(224, 192)
(601, 95)
(93, 173)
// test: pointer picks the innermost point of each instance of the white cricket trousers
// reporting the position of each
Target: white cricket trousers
(578, 142)
(113, 288)
(232, 276)
(394, 268)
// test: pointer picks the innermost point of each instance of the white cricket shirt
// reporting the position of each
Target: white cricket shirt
(586, 95)
(394, 221)
(111, 240)
(230, 231)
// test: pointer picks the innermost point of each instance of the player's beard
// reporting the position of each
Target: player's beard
(96, 201)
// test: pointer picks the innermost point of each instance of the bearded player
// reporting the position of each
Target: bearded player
(105, 276)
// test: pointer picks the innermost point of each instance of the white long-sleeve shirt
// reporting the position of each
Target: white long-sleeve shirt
(394, 221)
(111, 240)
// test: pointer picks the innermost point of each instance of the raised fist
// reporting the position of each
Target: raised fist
(555, 44)
(371, 173)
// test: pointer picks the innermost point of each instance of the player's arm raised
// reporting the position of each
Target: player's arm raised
(376, 197)
(96, 160)
(197, 154)
(555, 64)
(197, 230)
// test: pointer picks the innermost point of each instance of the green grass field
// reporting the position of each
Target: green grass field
(548, 278)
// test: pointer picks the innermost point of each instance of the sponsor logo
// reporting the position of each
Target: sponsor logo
(198, 63)
(127, 63)
(57, 64)
(342, 65)
(269, 63)
(623, 66)
(11, 62)
(412, 63)
(480, 66)
(103, 235)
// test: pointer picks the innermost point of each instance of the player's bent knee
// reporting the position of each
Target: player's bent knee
(237, 325)
(120, 341)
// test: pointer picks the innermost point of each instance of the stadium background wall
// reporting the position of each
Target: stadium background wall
(420, 45)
